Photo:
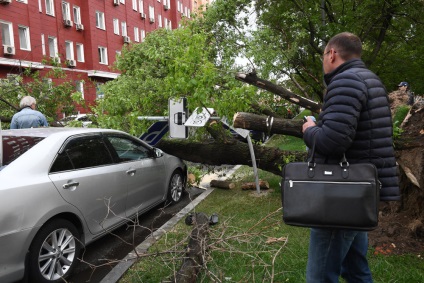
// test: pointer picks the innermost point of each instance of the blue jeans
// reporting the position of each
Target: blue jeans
(334, 252)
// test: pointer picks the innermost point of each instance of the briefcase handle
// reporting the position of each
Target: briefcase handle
(311, 164)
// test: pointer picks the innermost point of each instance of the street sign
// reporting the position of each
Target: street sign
(155, 132)
(177, 117)
(199, 118)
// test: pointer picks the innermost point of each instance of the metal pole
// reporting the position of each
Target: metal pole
(255, 170)
(155, 118)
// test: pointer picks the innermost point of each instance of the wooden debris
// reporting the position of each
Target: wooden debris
(222, 184)
(263, 185)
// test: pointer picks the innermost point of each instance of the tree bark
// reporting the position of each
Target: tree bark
(270, 125)
(252, 79)
(222, 184)
(235, 153)
(196, 251)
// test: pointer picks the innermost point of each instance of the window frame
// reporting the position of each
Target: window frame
(70, 55)
(100, 20)
(116, 26)
(50, 8)
(11, 40)
(77, 14)
(55, 47)
(80, 52)
(102, 51)
(26, 40)
(66, 11)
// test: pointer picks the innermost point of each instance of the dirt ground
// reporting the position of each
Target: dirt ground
(401, 229)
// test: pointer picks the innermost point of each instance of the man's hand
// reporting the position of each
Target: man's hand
(309, 123)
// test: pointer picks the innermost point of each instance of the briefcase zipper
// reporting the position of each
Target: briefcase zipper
(291, 182)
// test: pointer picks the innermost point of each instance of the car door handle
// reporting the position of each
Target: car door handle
(70, 185)
(131, 172)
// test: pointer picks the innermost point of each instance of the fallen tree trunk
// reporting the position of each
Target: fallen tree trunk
(270, 159)
(196, 251)
(263, 185)
(222, 184)
(270, 125)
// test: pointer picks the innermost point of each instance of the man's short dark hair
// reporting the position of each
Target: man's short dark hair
(347, 44)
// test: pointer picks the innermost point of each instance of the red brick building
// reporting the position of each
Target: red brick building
(84, 36)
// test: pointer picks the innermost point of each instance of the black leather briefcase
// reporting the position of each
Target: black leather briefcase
(343, 196)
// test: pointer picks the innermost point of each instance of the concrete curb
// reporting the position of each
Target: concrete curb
(118, 271)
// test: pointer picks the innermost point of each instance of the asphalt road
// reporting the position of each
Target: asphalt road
(101, 256)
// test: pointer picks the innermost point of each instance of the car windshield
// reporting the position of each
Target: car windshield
(15, 146)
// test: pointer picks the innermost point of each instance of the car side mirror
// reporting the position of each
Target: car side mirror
(158, 152)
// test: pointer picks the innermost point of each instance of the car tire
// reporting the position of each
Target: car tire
(175, 187)
(54, 252)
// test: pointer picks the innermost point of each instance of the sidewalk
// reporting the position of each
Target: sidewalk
(118, 271)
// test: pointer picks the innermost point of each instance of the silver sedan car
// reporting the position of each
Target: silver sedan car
(62, 188)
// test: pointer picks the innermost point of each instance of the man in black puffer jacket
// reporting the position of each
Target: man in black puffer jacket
(355, 120)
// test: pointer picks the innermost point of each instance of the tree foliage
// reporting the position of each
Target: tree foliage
(52, 96)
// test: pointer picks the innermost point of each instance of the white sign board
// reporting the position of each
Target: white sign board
(177, 117)
(199, 118)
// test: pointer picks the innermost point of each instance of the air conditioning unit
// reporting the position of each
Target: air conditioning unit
(67, 23)
(5, 1)
(152, 20)
(143, 15)
(79, 26)
(126, 39)
(56, 60)
(166, 7)
(116, 2)
(71, 63)
(9, 50)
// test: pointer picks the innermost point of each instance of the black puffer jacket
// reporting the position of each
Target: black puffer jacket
(356, 119)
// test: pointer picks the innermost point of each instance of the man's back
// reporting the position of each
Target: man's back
(28, 118)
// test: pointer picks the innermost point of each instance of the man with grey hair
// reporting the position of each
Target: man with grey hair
(28, 117)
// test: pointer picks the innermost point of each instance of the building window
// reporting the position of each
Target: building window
(178, 6)
(69, 50)
(43, 44)
(50, 7)
(136, 35)
(116, 26)
(124, 28)
(22, 1)
(122, 1)
(100, 20)
(66, 11)
(79, 86)
(7, 34)
(24, 40)
(99, 93)
(143, 34)
(53, 52)
(80, 52)
(102, 55)
(134, 5)
(40, 8)
(160, 20)
(77, 15)
(151, 12)
(140, 6)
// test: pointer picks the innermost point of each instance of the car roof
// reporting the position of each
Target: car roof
(45, 132)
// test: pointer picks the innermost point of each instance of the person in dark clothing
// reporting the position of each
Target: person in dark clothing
(404, 88)
(355, 119)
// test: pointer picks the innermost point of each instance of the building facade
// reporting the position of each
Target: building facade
(82, 36)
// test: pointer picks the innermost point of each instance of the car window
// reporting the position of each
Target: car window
(82, 152)
(128, 149)
(15, 146)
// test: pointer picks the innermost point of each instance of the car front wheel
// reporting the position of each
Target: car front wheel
(176, 187)
(54, 252)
